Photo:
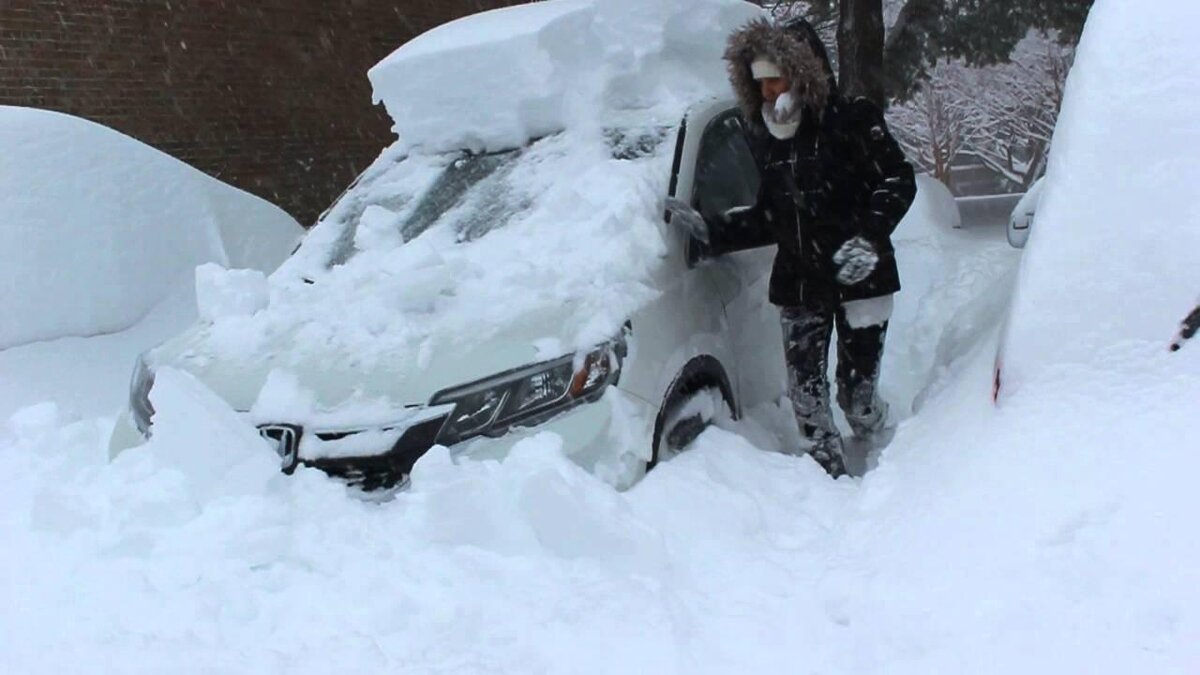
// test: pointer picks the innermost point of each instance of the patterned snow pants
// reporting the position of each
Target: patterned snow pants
(806, 336)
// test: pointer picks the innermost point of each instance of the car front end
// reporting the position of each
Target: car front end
(480, 419)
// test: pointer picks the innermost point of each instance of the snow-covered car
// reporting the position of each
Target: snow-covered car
(1111, 274)
(705, 340)
(122, 222)
(1021, 220)
(506, 268)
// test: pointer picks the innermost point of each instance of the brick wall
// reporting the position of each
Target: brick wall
(269, 95)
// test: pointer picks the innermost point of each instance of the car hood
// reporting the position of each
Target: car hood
(284, 380)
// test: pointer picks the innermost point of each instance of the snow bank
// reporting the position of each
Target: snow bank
(986, 542)
(496, 79)
(944, 272)
(95, 227)
(1111, 263)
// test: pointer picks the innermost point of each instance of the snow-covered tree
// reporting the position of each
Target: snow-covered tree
(933, 126)
(922, 33)
(1015, 107)
(1003, 114)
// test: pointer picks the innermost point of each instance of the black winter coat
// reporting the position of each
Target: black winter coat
(841, 176)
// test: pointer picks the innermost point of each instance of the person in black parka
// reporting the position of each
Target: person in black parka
(834, 184)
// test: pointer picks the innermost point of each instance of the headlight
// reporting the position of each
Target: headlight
(528, 395)
(139, 395)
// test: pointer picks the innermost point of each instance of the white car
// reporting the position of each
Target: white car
(708, 339)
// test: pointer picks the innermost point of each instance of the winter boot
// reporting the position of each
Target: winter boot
(869, 423)
(828, 454)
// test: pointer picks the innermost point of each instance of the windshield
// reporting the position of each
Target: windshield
(471, 194)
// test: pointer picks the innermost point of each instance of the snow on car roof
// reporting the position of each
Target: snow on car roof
(498, 79)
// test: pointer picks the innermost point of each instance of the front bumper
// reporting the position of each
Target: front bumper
(603, 437)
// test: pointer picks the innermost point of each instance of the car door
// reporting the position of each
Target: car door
(726, 176)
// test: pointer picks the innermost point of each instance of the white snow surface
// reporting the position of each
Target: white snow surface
(497, 79)
(96, 227)
(225, 292)
(1052, 533)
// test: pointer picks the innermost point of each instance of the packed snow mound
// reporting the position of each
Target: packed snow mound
(1111, 264)
(497, 79)
(95, 227)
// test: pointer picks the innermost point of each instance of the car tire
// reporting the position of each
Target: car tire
(684, 418)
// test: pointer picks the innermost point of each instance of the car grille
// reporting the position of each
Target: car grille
(375, 472)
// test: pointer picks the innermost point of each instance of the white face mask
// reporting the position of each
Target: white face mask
(783, 118)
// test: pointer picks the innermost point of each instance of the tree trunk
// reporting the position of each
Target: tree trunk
(860, 49)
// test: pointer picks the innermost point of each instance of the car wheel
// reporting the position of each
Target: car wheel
(684, 419)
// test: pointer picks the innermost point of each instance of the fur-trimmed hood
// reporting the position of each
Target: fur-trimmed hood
(796, 48)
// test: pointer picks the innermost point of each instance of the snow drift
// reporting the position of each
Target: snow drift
(1111, 262)
(95, 227)
(497, 79)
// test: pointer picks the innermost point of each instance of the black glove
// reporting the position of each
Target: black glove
(687, 218)
(856, 259)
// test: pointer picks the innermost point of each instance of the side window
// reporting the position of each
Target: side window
(726, 173)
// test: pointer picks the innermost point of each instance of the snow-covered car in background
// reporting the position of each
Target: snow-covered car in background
(122, 221)
(1111, 271)
(1021, 220)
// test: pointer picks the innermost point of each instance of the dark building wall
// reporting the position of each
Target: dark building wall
(269, 95)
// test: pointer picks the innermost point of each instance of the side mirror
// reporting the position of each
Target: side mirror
(1018, 229)
(1021, 220)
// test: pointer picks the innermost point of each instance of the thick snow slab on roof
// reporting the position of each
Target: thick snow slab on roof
(95, 227)
(1111, 265)
(496, 79)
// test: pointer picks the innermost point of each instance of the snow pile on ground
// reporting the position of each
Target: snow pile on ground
(939, 282)
(1123, 162)
(495, 80)
(95, 227)
(1018, 540)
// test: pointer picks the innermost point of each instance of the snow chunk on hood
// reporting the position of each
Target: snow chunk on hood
(506, 76)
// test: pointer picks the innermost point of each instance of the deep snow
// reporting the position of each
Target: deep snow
(194, 553)
(1052, 533)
